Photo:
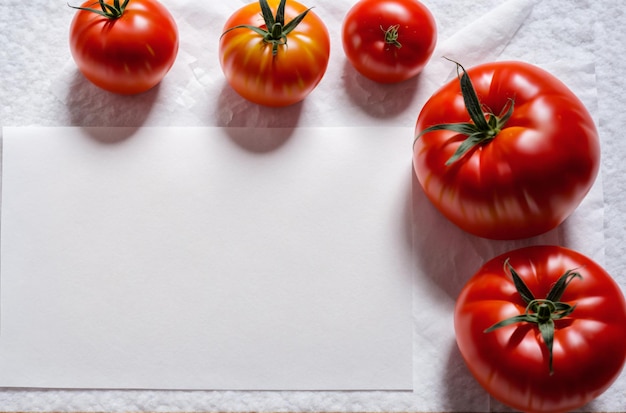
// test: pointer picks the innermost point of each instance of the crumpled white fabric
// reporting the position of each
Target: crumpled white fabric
(43, 87)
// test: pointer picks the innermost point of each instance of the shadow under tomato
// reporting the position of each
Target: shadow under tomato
(254, 127)
(407, 213)
(462, 393)
(89, 105)
(259, 141)
(235, 111)
(378, 100)
(443, 252)
(110, 136)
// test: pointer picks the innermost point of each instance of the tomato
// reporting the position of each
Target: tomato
(512, 156)
(551, 344)
(124, 48)
(389, 40)
(274, 59)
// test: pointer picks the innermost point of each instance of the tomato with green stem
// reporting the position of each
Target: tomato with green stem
(274, 58)
(125, 48)
(542, 328)
(506, 151)
(389, 41)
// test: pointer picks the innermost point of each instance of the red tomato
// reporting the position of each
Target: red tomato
(124, 48)
(583, 315)
(389, 40)
(274, 59)
(531, 156)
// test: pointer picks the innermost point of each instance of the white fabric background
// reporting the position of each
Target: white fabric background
(40, 86)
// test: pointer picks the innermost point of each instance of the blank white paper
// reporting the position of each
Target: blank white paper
(206, 258)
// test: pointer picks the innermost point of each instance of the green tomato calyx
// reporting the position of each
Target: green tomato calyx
(274, 31)
(110, 11)
(484, 125)
(391, 35)
(541, 312)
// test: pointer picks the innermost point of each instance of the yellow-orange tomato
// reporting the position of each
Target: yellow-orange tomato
(273, 58)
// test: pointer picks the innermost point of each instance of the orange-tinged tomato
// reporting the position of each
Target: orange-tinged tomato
(274, 70)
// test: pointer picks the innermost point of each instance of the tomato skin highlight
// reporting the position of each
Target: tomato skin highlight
(531, 176)
(511, 363)
(363, 38)
(127, 55)
(285, 78)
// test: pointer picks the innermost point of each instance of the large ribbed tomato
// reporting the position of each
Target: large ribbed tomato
(511, 156)
(274, 58)
(126, 47)
(542, 329)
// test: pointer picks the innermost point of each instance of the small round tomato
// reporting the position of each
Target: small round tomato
(389, 40)
(506, 151)
(274, 59)
(124, 48)
(542, 329)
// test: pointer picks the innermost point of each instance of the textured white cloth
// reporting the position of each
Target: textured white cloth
(580, 41)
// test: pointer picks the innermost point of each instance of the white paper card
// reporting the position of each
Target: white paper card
(206, 258)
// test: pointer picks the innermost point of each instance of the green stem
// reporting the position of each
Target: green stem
(542, 312)
(391, 35)
(483, 126)
(110, 11)
(275, 31)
